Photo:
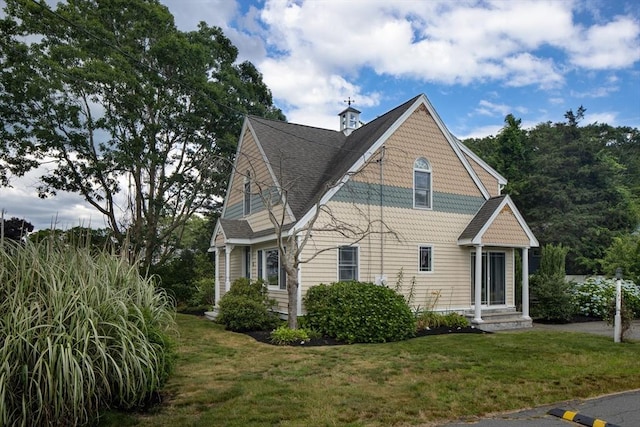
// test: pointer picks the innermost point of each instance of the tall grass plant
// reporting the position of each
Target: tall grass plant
(79, 333)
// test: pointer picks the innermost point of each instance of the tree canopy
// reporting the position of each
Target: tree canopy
(138, 117)
(15, 228)
(576, 185)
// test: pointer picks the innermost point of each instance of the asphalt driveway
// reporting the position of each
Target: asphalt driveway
(596, 327)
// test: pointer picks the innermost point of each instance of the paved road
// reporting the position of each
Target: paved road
(621, 409)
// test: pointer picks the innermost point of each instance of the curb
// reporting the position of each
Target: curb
(579, 418)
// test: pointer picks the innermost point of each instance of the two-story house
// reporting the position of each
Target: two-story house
(396, 199)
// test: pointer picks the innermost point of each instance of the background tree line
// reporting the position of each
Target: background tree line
(578, 186)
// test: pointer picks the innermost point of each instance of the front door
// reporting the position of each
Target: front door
(493, 278)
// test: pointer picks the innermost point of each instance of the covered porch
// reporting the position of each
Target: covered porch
(497, 229)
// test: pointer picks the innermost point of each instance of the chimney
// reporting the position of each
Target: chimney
(349, 120)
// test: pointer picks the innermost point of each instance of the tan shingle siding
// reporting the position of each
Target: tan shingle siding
(489, 181)
(248, 159)
(451, 275)
(505, 230)
(419, 136)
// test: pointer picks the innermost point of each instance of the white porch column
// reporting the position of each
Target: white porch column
(216, 286)
(525, 284)
(227, 264)
(477, 317)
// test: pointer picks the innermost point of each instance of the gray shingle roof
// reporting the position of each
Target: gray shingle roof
(307, 160)
(482, 216)
(236, 228)
(298, 156)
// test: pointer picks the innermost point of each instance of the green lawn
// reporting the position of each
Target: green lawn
(224, 378)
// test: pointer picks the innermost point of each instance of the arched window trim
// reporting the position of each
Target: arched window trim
(422, 184)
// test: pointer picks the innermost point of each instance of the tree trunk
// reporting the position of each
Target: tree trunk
(292, 291)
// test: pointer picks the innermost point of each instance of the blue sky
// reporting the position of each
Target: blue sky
(477, 61)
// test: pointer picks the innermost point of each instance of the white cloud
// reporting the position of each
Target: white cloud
(595, 92)
(63, 211)
(608, 117)
(612, 45)
(481, 132)
(487, 108)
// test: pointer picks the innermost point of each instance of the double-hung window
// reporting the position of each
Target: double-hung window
(347, 263)
(425, 259)
(270, 269)
(422, 184)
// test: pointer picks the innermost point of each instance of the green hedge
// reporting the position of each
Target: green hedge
(359, 312)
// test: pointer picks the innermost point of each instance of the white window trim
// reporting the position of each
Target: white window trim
(426, 245)
(429, 170)
(357, 261)
(246, 211)
(263, 261)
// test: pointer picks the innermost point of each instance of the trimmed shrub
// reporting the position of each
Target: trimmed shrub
(79, 333)
(246, 307)
(359, 312)
(551, 299)
(550, 293)
(592, 298)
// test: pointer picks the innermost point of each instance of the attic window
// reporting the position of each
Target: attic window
(247, 194)
(422, 184)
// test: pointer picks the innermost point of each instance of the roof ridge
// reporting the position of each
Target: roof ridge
(251, 116)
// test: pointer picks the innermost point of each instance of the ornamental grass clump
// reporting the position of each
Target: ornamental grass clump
(79, 333)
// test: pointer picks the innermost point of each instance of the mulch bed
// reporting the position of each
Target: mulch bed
(263, 336)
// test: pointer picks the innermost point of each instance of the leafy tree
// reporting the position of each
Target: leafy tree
(15, 228)
(576, 186)
(139, 117)
(190, 265)
(623, 253)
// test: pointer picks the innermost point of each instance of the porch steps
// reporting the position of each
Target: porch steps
(500, 320)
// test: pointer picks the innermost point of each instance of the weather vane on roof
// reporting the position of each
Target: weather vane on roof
(349, 101)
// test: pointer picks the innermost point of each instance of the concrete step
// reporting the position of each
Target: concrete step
(211, 315)
(500, 320)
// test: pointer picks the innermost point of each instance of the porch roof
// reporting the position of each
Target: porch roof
(498, 223)
(239, 231)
